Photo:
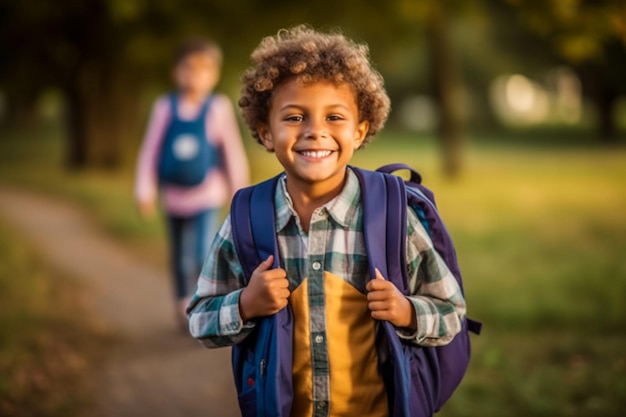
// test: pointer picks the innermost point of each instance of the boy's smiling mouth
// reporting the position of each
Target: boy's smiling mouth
(315, 154)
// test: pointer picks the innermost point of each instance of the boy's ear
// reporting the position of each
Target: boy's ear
(360, 133)
(266, 137)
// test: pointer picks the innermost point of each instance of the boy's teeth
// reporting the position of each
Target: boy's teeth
(315, 154)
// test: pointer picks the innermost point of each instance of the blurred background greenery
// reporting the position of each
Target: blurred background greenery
(514, 112)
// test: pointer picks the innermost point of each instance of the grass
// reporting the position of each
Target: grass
(540, 232)
(47, 345)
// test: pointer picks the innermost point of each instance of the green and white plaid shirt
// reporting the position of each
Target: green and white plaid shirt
(335, 243)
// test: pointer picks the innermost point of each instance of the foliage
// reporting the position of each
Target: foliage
(110, 58)
(577, 29)
(590, 36)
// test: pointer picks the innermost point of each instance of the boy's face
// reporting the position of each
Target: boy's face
(196, 73)
(314, 131)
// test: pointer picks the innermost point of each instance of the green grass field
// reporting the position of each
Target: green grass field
(540, 231)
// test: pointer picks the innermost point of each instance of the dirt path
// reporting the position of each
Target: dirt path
(155, 371)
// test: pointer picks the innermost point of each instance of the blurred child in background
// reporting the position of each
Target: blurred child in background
(192, 155)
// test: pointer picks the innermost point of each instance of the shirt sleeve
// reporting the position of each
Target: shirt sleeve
(434, 292)
(146, 183)
(213, 311)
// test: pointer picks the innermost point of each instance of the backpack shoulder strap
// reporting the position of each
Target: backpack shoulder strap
(423, 202)
(206, 106)
(173, 99)
(384, 215)
(384, 230)
(253, 224)
(270, 349)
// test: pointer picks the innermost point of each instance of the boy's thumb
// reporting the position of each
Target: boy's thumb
(266, 264)
(379, 275)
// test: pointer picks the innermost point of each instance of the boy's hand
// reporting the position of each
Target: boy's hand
(386, 302)
(266, 293)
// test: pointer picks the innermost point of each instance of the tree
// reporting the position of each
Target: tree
(75, 47)
(433, 19)
(103, 54)
(447, 87)
(589, 35)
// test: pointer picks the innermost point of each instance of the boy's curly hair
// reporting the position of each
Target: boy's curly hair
(311, 56)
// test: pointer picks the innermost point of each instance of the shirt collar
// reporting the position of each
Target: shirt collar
(342, 208)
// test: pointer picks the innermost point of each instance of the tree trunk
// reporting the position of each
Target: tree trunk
(447, 92)
(605, 104)
(102, 111)
(602, 87)
(21, 108)
(76, 146)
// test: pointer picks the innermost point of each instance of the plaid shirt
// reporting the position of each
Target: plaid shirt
(335, 243)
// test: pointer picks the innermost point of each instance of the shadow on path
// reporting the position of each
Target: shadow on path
(156, 370)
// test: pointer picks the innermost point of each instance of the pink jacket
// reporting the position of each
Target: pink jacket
(219, 184)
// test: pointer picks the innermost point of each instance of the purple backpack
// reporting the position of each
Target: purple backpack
(418, 380)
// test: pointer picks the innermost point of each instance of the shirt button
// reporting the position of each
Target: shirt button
(319, 338)
(321, 405)
(317, 266)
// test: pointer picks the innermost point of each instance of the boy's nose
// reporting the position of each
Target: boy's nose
(314, 130)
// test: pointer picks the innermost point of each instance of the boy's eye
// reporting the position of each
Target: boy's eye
(294, 118)
(335, 117)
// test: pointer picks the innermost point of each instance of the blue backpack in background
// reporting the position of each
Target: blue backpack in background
(418, 380)
(186, 154)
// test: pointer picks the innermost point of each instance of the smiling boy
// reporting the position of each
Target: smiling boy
(313, 99)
